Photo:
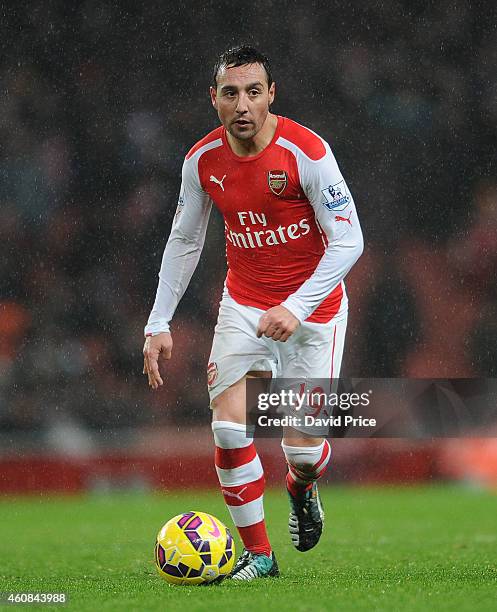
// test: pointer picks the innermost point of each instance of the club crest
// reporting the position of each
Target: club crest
(277, 181)
(211, 373)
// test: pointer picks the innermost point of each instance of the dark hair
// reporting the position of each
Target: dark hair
(240, 56)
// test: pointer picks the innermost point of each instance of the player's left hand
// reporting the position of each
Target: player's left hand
(277, 323)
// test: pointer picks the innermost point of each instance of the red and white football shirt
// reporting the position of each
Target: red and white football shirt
(292, 231)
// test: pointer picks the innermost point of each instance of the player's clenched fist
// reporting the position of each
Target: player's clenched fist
(156, 348)
(277, 323)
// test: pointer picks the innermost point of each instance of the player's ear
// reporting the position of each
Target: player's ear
(213, 94)
(272, 92)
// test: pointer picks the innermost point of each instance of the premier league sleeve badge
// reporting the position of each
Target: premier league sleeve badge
(336, 196)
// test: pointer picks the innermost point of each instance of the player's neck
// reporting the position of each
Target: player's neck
(246, 148)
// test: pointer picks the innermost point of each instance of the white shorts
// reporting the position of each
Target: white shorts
(314, 351)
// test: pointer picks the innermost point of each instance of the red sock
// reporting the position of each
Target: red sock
(296, 488)
(254, 538)
(242, 483)
(305, 466)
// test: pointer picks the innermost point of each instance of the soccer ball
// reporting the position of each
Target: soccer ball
(194, 548)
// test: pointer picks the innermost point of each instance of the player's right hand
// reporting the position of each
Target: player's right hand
(156, 348)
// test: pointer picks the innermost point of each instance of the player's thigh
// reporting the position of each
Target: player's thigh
(316, 351)
(231, 404)
(314, 361)
(235, 352)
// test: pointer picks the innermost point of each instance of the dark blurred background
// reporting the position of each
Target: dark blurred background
(99, 103)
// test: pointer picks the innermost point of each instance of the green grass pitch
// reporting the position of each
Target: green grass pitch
(382, 549)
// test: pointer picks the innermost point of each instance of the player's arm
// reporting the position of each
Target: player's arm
(179, 261)
(337, 217)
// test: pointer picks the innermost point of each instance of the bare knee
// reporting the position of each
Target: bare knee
(231, 404)
(292, 437)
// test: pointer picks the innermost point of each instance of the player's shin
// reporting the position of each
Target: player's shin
(306, 464)
(241, 478)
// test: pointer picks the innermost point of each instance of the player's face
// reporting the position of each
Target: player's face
(242, 99)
